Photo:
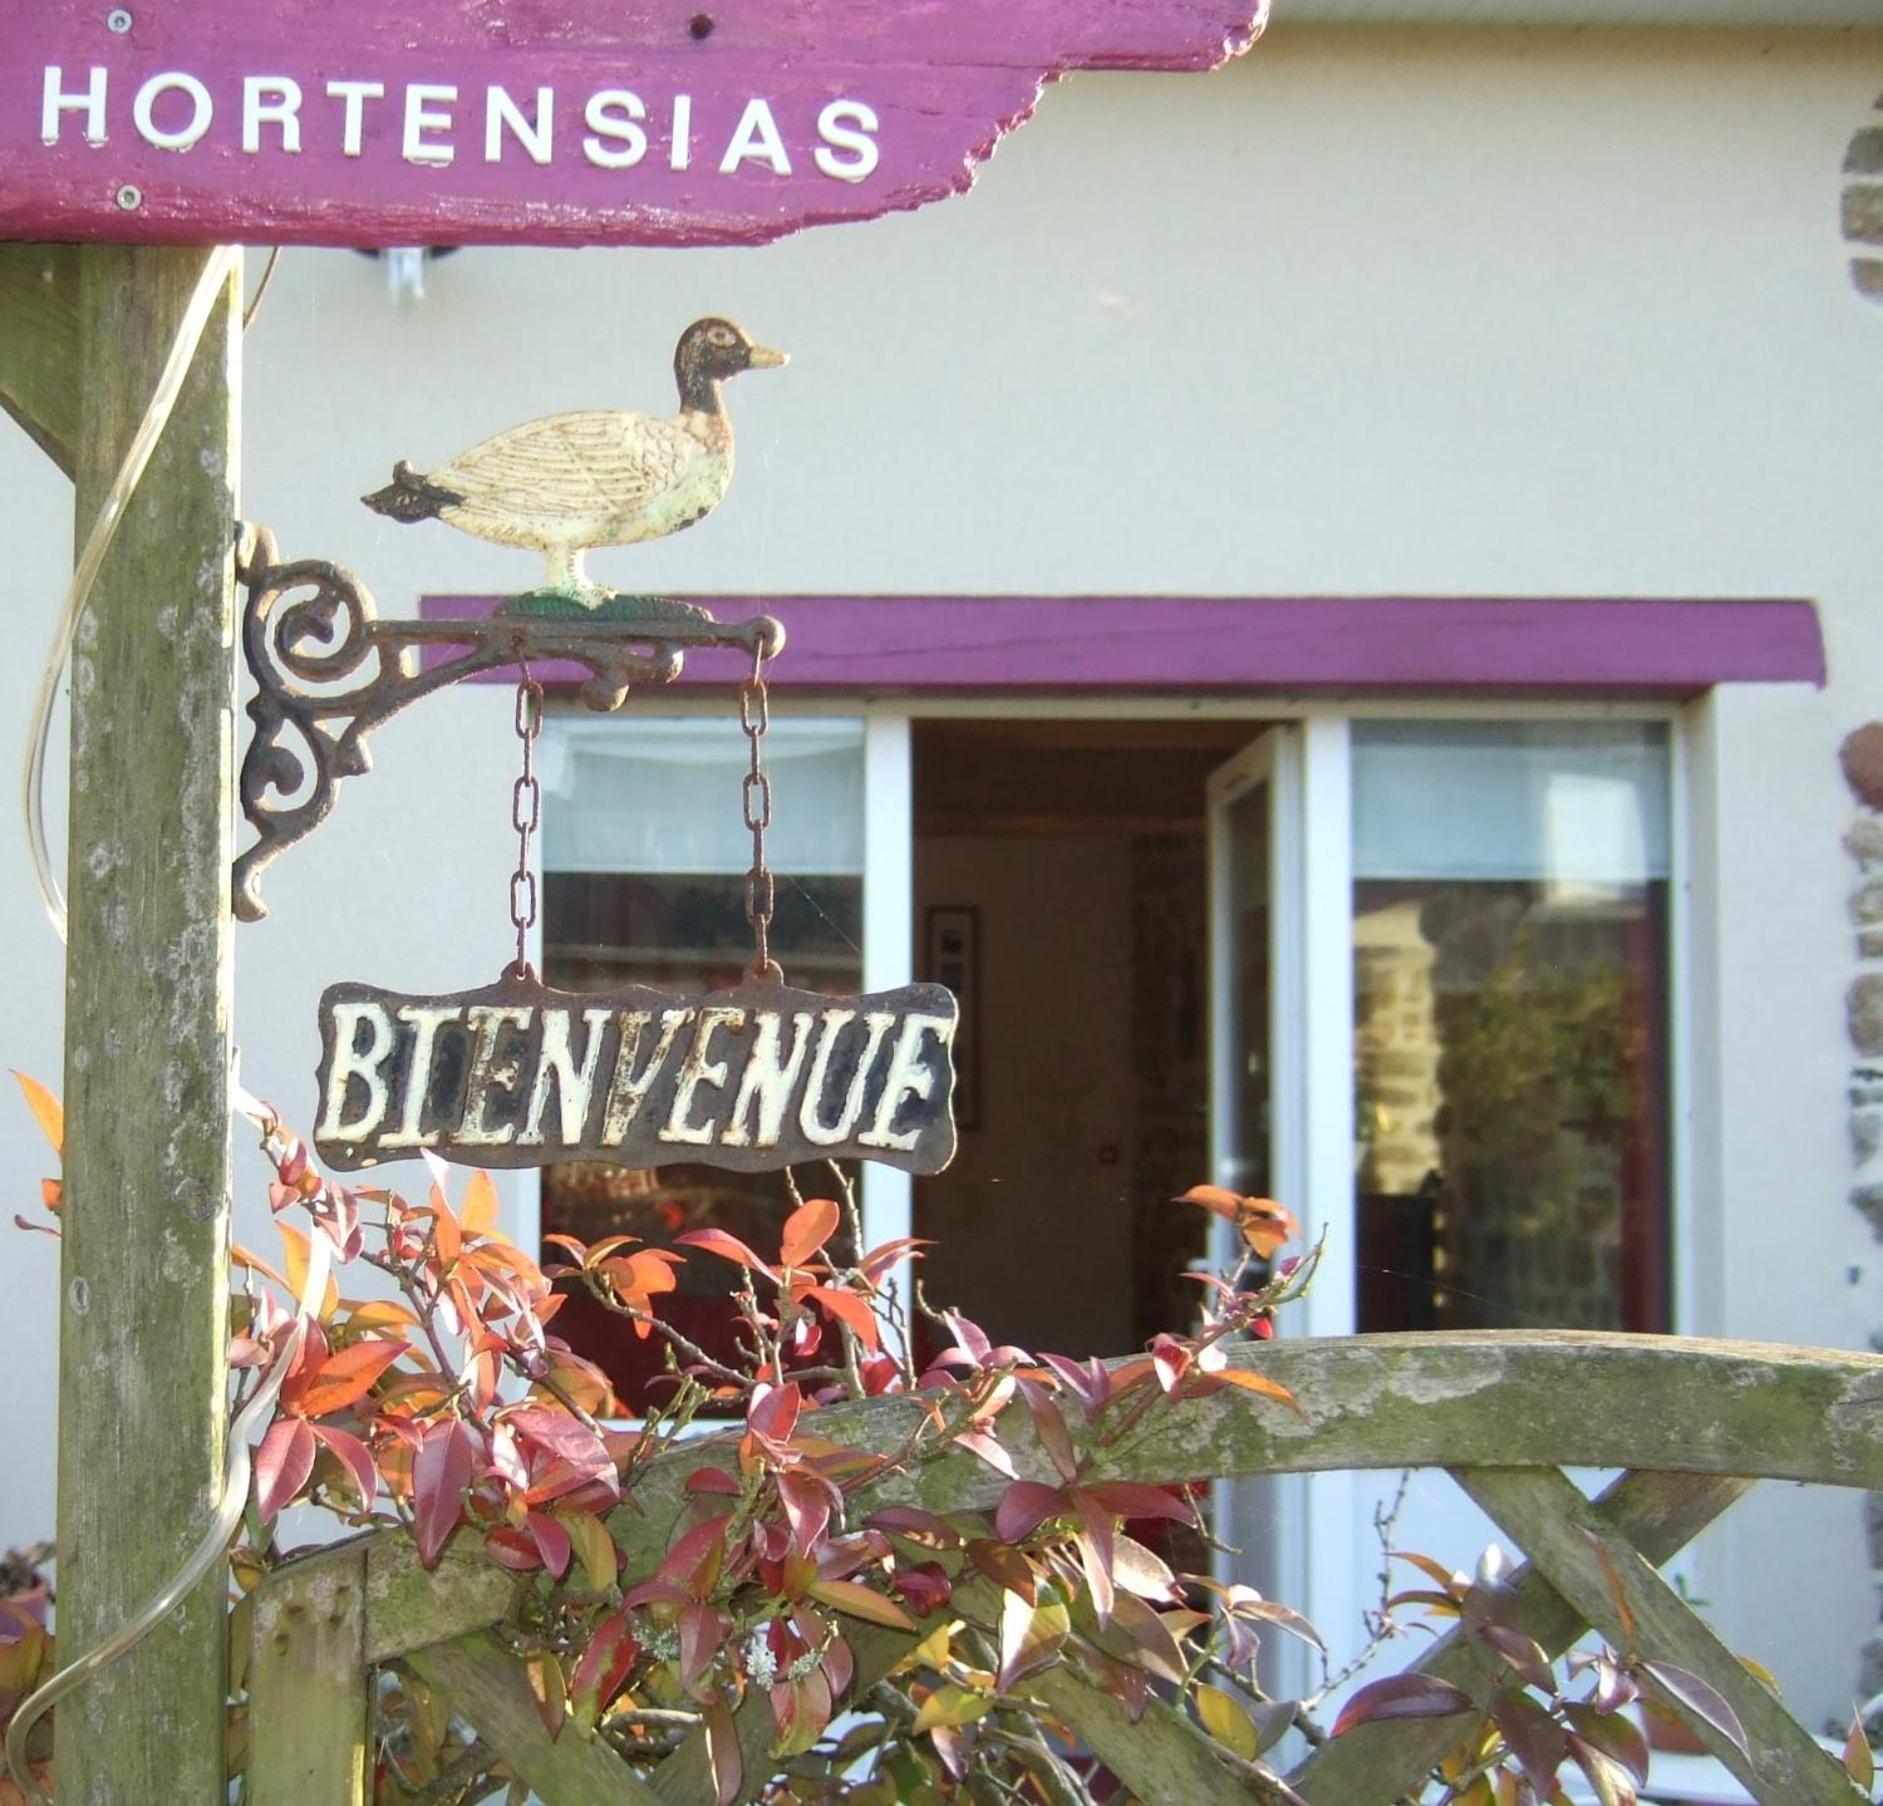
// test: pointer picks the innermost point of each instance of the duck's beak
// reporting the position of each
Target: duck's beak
(762, 357)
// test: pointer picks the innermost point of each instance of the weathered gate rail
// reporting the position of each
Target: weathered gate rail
(1694, 1422)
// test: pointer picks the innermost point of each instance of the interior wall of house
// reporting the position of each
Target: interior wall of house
(1033, 1221)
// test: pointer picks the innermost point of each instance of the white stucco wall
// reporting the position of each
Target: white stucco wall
(1406, 312)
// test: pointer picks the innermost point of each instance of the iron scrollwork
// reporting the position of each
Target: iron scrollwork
(328, 671)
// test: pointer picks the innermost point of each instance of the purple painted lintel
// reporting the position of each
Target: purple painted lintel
(1345, 645)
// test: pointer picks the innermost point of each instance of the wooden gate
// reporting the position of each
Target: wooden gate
(1694, 1424)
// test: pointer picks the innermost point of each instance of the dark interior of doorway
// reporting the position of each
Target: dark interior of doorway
(1061, 881)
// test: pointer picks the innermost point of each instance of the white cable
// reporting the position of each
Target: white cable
(214, 1545)
(216, 271)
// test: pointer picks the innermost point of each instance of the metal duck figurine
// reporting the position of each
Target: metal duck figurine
(570, 483)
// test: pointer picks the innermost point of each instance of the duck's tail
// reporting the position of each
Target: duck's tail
(411, 497)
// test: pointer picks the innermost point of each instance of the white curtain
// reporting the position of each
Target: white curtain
(1569, 803)
(664, 796)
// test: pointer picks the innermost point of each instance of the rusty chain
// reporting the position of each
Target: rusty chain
(755, 795)
(526, 813)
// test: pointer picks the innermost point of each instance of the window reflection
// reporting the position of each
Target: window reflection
(1510, 985)
(645, 855)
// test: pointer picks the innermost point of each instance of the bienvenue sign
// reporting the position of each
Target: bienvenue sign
(534, 121)
(753, 1078)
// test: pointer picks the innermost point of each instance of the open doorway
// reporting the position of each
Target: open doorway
(1062, 885)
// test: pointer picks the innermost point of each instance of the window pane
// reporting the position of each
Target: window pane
(644, 859)
(1510, 1034)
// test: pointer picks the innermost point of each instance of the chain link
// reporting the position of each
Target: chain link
(526, 813)
(755, 796)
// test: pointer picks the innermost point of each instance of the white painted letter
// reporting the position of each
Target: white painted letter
(355, 95)
(626, 1092)
(816, 1132)
(768, 1083)
(91, 103)
(350, 1063)
(271, 100)
(202, 111)
(488, 1073)
(575, 1085)
(909, 1076)
(699, 1068)
(535, 135)
(602, 121)
(756, 140)
(680, 147)
(420, 119)
(425, 1022)
(847, 125)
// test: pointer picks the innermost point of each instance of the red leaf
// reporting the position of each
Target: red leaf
(345, 1378)
(880, 1259)
(1698, 1699)
(1403, 1696)
(552, 1541)
(282, 1464)
(1024, 1507)
(514, 1549)
(356, 1457)
(773, 1412)
(1050, 1426)
(694, 1561)
(714, 1480)
(604, 1668)
(441, 1476)
(807, 1229)
(722, 1750)
(989, 1451)
(727, 1247)
(1132, 1499)
(701, 1629)
(918, 1525)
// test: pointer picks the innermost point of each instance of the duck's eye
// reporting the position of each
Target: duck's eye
(720, 336)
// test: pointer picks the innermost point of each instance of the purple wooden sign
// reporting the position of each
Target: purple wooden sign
(431, 122)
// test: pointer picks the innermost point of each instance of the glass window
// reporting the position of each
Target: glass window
(1510, 933)
(645, 853)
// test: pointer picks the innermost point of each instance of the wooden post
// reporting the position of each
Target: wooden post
(143, 1281)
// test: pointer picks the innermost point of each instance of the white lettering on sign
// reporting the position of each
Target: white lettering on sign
(176, 111)
(144, 111)
(58, 103)
(354, 96)
(422, 119)
(846, 125)
(277, 114)
(615, 114)
(517, 1075)
(536, 133)
(271, 100)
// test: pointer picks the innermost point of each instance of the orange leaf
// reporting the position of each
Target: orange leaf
(852, 1312)
(479, 1212)
(47, 1111)
(807, 1229)
(861, 1602)
(1259, 1383)
(347, 1377)
(299, 1252)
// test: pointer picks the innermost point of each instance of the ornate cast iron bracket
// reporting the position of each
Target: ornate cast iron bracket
(329, 671)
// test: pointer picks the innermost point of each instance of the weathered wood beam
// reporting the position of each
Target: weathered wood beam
(487, 1687)
(1520, 1399)
(1560, 1530)
(1376, 1764)
(309, 1719)
(144, 1266)
(39, 346)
